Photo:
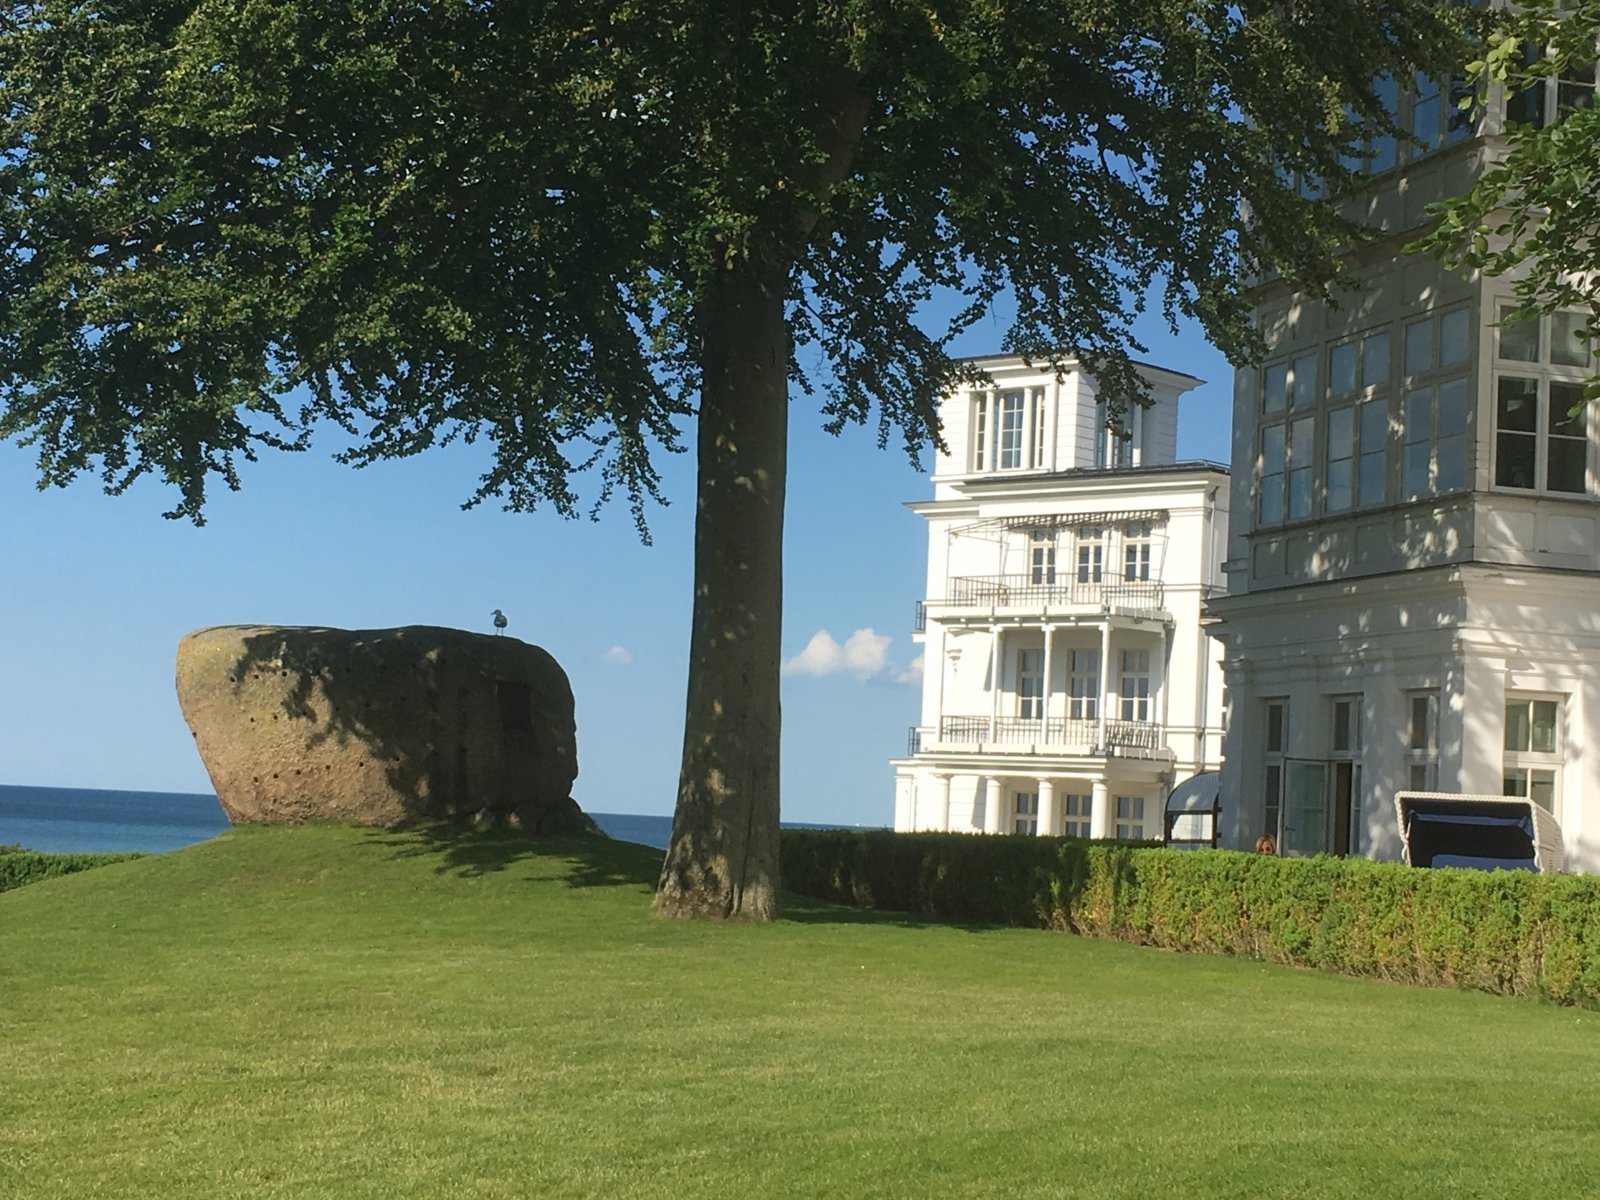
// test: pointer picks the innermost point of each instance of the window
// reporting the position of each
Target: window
(1276, 714)
(1134, 691)
(1008, 429)
(1079, 814)
(1136, 551)
(1533, 753)
(1346, 774)
(1011, 427)
(1116, 433)
(1433, 451)
(1130, 817)
(980, 430)
(1437, 118)
(1025, 812)
(1042, 556)
(1083, 685)
(1038, 431)
(1541, 421)
(1422, 741)
(1030, 684)
(1091, 553)
(1288, 447)
(1571, 88)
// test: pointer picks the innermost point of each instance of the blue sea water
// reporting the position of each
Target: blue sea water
(83, 820)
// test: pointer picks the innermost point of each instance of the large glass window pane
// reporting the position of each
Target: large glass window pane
(1569, 443)
(1275, 384)
(1566, 347)
(1383, 145)
(1452, 414)
(1371, 483)
(1302, 450)
(1518, 730)
(1517, 404)
(1274, 728)
(1341, 454)
(1375, 360)
(1459, 121)
(1542, 789)
(1419, 346)
(1425, 104)
(1011, 410)
(1519, 340)
(1417, 440)
(1272, 445)
(1342, 369)
(1567, 409)
(1543, 735)
(1303, 384)
(1453, 337)
(1421, 733)
(1340, 493)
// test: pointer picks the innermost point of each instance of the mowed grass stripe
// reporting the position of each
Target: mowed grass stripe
(345, 1013)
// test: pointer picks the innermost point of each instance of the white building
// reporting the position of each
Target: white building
(1067, 683)
(1412, 579)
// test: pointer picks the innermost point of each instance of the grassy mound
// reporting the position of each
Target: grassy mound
(328, 1012)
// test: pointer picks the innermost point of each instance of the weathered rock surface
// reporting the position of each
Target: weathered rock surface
(381, 726)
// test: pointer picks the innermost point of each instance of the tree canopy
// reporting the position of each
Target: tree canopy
(567, 229)
(1535, 216)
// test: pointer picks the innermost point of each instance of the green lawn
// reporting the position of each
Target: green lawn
(345, 1013)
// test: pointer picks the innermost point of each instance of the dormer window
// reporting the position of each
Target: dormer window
(1115, 445)
(1008, 429)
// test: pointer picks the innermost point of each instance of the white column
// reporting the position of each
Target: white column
(995, 665)
(991, 805)
(1100, 816)
(1049, 816)
(1105, 682)
(941, 802)
(1158, 685)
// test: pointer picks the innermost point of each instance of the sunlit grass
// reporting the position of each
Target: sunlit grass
(343, 1013)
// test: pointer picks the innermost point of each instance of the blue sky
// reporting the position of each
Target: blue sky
(95, 592)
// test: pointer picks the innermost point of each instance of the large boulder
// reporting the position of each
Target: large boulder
(380, 726)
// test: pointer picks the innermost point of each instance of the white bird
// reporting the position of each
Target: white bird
(499, 622)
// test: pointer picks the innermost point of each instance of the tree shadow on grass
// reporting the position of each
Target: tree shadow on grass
(803, 910)
(594, 859)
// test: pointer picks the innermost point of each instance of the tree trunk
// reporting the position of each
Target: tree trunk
(723, 858)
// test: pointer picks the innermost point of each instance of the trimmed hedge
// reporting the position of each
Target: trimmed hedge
(23, 867)
(1507, 932)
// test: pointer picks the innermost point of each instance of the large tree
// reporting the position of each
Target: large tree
(566, 228)
(1535, 216)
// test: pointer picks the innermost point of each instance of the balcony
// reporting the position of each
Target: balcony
(1058, 594)
(1133, 739)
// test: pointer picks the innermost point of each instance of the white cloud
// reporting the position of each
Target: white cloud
(863, 654)
(617, 656)
(912, 674)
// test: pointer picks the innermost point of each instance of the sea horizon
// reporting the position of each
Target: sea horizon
(55, 820)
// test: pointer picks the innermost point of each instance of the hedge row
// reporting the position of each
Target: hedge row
(21, 867)
(1507, 932)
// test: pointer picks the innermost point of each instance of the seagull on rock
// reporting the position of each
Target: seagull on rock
(499, 622)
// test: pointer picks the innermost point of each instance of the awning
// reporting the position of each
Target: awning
(995, 528)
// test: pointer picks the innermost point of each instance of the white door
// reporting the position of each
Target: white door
(1305, 808)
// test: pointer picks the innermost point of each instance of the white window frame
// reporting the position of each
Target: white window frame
(1521, 767)
(1422, 742)
(1083, 684)
(1129, 813)
(1274, 756)
(1133, 684)
(1030, 684)
(1137, 539)
(1545, 375)
(1042, 556)
(1025, 812)
(1078, 809)
(1091, 553)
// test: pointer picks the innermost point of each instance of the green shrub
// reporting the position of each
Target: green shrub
(1507, 932)
(21, 867)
